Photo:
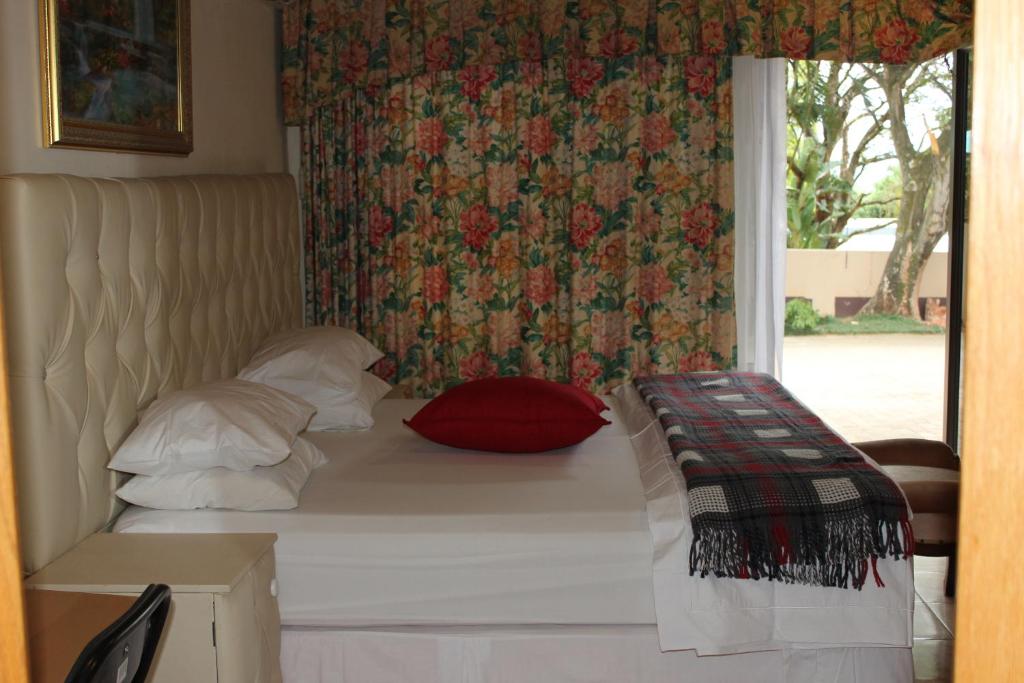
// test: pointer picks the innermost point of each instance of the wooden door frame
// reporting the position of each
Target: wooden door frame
(990, 593)
(13, 661)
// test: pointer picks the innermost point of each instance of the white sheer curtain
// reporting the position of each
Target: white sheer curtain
(759, 116)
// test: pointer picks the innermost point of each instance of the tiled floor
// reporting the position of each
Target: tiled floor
(934, 617)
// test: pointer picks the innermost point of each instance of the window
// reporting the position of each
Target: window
(872, 192)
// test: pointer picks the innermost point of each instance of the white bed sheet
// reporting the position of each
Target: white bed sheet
(396, 530)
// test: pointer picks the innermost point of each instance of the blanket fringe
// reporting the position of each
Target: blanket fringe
(836, 552)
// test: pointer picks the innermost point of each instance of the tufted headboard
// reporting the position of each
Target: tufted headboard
(116, 292)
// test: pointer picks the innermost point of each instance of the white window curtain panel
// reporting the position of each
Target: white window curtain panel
(759, 116)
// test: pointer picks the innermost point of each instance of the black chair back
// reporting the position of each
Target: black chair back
(123, 652)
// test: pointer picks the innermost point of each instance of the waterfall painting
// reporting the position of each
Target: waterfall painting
(116, 75)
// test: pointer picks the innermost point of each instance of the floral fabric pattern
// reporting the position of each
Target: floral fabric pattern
(544, 187)
(331, 44)
(570, 220)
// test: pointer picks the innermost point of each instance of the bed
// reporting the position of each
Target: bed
(404, 560)
(399, 542)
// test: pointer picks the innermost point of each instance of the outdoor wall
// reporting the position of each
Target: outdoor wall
(823, 275)
(235, 98)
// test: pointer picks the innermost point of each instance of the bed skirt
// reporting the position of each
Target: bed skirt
(560, 654)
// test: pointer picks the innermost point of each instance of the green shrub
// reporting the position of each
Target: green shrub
(801, 318)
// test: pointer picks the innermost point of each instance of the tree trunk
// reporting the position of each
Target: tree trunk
(897, 290)
(924, 210)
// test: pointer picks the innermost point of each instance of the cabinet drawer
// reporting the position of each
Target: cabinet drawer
(186, 649)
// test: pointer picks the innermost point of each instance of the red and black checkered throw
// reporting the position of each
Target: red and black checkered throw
(774, 493)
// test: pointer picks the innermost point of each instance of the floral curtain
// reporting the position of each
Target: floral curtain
(544, 187)
(571, 220)
(330, 44)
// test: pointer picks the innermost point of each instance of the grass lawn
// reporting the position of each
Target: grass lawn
(870, 324)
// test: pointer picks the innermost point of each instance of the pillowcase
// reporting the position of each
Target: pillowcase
(336, 411)
(262, 488)
(510, 415)
(323, 365)
(296, 360)
(230, 423)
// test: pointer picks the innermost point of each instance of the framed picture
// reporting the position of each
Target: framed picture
(116, 75)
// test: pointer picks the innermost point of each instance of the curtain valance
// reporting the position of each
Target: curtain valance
(330, 45)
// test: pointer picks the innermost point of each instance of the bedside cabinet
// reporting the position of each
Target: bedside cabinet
(224, 625)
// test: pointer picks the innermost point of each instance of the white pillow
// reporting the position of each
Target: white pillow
(231, 423)
(336, 411)
(299, 361)
(262, 488)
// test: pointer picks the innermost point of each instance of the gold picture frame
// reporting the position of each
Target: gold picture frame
(117, 75)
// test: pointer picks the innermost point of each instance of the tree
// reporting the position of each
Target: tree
(843, 119)
(836, 116)
(885, 197)
(925, 204)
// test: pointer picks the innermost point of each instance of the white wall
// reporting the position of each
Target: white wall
(235, 98)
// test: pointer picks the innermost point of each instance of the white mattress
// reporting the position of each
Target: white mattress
(396, 530)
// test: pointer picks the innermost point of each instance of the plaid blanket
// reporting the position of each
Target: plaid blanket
(773, 491)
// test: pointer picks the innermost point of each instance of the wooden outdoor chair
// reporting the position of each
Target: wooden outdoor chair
(928, 472)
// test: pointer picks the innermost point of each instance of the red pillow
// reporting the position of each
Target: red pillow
(510, 415)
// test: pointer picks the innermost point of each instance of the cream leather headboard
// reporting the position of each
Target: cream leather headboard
(116, 292)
